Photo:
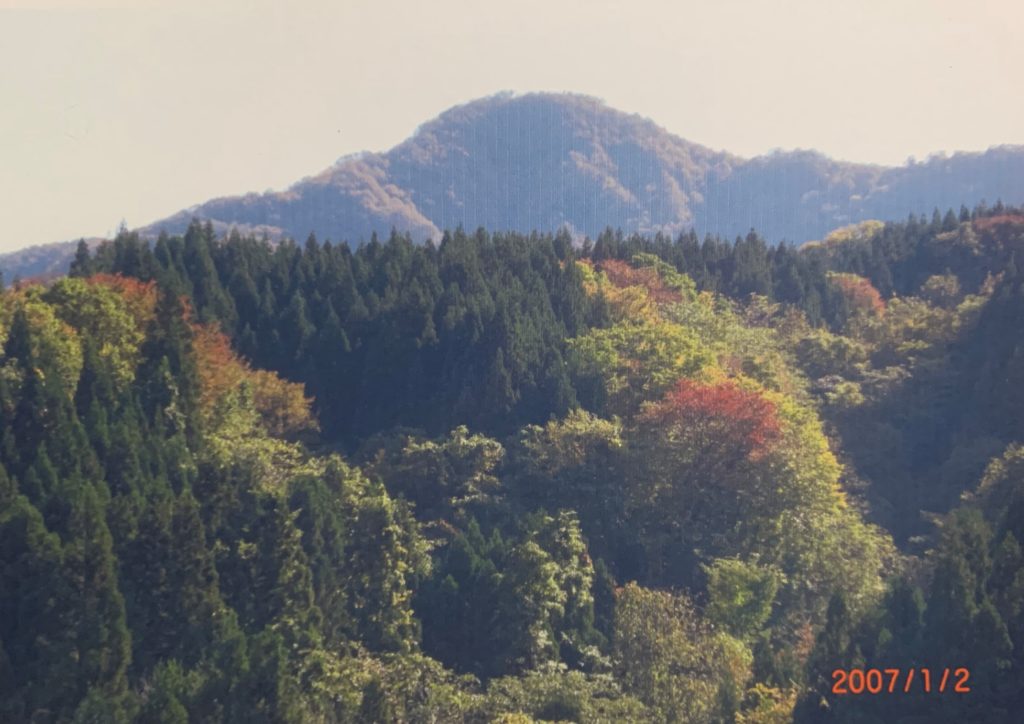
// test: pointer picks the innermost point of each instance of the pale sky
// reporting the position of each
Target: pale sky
(116, 110)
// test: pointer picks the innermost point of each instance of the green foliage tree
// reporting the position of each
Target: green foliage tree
(740, 596)
(637, 362)
(672, 661)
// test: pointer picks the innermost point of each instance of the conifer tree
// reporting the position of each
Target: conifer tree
(81, 265)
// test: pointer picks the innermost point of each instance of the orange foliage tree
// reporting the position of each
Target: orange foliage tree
(283, 406)
(1001, 234)
(140, 296)
(860, 294)
(623, 274)
(987, 223)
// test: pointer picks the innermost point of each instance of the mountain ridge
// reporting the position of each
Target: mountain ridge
(543, 161)
(570, 160)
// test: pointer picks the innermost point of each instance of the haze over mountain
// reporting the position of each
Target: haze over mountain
(546, 161)
(541, 161)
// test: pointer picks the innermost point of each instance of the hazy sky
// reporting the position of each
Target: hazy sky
(134, 110)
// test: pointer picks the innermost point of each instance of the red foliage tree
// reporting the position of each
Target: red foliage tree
(720, 420)
(702, 469)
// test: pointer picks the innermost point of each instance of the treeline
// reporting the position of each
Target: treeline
(896, 257)
(435, 336)
(471, 331)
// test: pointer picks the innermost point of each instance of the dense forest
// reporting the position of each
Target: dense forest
(509, 478)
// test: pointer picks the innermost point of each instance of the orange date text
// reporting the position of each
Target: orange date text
(901, 681)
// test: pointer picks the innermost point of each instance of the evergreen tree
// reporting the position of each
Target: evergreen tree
(81, 265)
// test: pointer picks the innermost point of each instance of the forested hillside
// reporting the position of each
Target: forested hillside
(502, 478)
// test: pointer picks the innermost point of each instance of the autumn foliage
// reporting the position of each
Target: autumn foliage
(623, 274)
(739, 422)
(1009, 221)
(1003, 234)
(282, 405)
(140, 296)
(860, 293)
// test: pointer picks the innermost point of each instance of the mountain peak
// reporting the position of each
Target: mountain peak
(540, 160)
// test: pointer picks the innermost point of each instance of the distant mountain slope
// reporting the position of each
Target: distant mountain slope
(544, 161)
(40, 261)
(541, 161)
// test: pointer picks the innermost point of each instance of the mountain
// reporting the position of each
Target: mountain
(546, 161)
(39, 261)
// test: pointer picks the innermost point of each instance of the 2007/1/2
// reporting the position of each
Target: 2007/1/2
(872, 681)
